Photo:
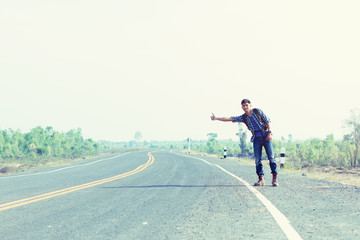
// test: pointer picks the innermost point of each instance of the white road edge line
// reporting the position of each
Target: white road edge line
(60, 169)
(280, 218)
(192, 157)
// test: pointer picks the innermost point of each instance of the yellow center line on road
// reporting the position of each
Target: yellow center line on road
(25, 201)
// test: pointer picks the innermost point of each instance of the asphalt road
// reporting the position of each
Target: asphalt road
(164, 195)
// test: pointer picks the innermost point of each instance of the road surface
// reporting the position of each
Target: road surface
(167, 195)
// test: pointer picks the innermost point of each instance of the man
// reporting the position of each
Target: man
(259, 125)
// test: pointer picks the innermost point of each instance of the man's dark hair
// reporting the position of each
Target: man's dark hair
(245, 101)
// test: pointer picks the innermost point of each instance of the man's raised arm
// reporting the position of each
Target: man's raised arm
(223, 119)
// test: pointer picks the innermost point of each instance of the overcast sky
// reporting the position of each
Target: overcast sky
(162, 67)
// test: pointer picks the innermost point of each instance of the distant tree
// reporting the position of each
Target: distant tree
(138, 136)
(212, 136)
(244, 147)
(345, 155)
(290, 137)
(212, 144)
(188, 144)
(131, 143)
(330, 151)
(353, 126)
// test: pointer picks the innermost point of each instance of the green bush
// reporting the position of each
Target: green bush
(40, 142)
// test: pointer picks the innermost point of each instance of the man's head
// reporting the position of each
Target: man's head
(246, 105)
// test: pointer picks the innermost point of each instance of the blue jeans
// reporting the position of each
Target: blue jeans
(258, 143)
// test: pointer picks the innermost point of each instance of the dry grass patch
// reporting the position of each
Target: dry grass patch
(341, 175)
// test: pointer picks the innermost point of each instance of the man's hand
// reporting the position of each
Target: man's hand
(269, 137)
(223, 119)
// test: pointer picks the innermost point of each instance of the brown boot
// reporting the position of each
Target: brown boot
(274, 181)
(261, 181)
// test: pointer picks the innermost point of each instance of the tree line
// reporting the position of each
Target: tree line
(342, 153)
(45, 142)
(300, 154)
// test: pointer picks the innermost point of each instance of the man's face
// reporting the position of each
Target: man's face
(246, 107)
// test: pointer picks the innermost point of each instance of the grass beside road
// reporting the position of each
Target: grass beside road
(9, 166)
(344, 175)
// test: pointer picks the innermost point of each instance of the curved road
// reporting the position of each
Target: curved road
(165, 195)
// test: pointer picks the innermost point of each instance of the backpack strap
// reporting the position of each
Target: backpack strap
(245, 118)
(257, 112)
